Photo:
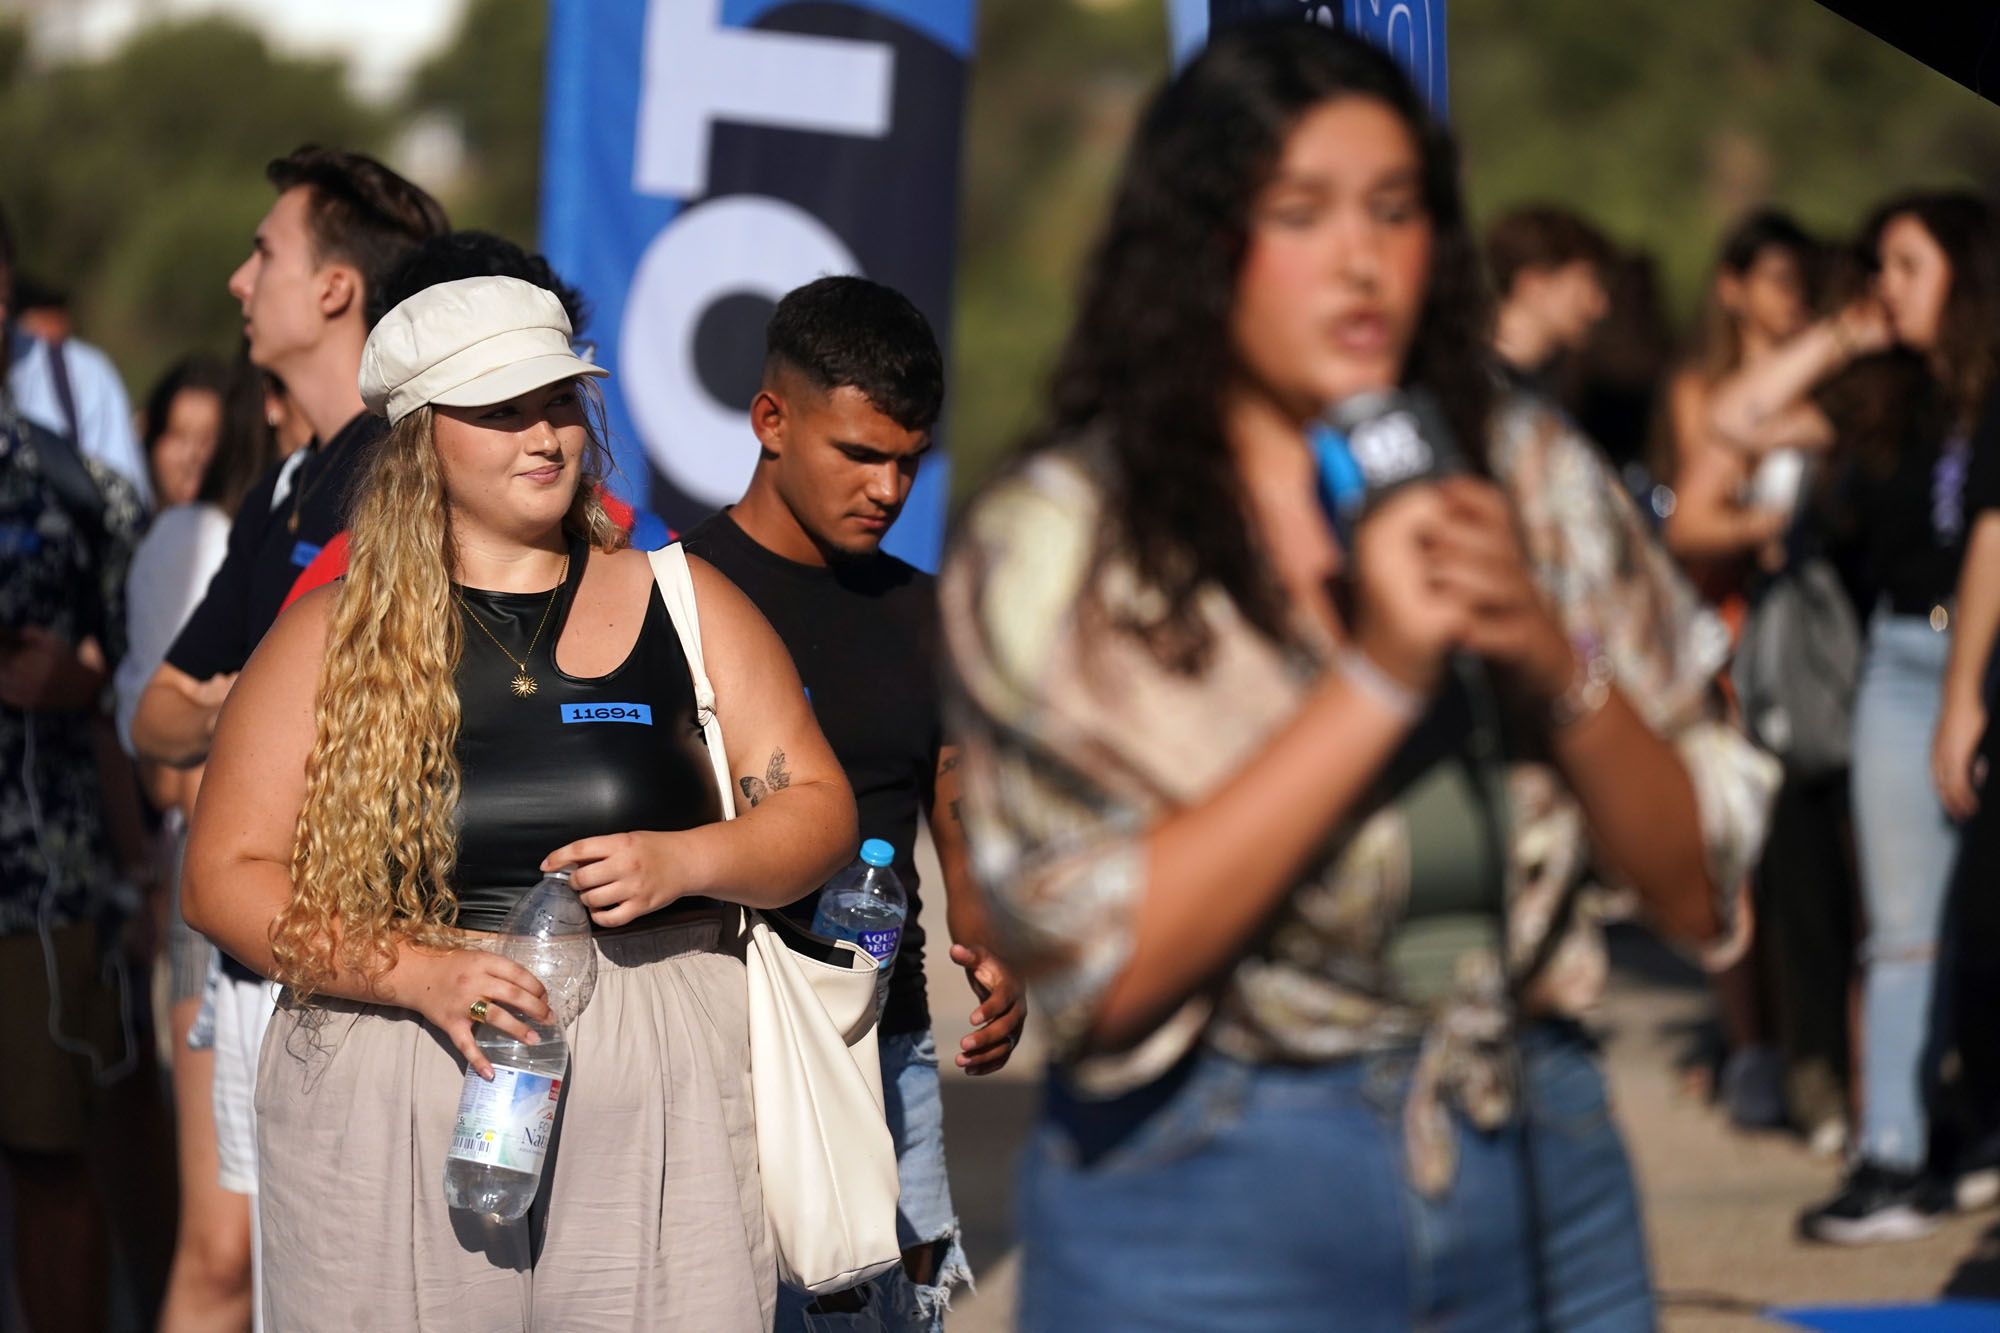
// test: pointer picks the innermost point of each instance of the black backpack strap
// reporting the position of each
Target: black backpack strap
(65, 396)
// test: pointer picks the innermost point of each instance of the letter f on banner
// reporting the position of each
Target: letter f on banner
(698, 72)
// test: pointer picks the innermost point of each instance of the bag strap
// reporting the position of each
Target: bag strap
(65, 396)
(676, 583)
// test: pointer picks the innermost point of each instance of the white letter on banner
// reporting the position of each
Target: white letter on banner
(747, 244)
(698, 71)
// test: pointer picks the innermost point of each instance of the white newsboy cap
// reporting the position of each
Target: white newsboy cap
(466, 344)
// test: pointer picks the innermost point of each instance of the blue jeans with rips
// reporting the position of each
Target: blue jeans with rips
(1906, 846)
(1275, 1198)
(914, 1103)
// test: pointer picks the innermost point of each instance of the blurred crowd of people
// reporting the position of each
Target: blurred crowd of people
(1821, 455)
(1820, 458)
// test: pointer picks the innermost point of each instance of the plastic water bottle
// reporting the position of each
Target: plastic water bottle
(866, 903)
(505, 1127)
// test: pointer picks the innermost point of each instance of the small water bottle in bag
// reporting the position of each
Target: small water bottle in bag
(865, 903)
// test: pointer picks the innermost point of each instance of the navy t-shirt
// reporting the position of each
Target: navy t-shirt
(864, 635)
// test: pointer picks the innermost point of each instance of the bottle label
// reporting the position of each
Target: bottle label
(881, 944)
(508, 1122)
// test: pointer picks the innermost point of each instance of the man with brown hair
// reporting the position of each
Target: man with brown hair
(1548, 269)
(340, 224)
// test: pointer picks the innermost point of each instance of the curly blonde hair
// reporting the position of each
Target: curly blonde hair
(377, 835)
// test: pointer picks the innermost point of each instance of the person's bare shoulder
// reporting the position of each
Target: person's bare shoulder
(297, 640)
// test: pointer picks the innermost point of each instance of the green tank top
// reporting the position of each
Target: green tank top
(1457, 877)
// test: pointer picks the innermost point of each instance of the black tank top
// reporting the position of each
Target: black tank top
(620, 753)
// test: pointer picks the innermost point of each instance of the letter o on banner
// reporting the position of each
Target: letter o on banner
(733, 246)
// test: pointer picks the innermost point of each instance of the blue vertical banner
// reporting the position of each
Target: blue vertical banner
(1413, 31)
(700, 159)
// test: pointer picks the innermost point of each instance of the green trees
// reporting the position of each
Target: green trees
(1667, 121)
(135, 182)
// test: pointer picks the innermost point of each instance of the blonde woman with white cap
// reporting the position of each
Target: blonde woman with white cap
(398, 764)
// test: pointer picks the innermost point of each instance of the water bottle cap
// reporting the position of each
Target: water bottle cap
(562, 874)
(878, 853)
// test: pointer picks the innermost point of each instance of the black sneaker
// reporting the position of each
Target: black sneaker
(1875, 1203)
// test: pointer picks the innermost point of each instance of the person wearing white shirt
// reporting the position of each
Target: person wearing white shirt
(97, 415)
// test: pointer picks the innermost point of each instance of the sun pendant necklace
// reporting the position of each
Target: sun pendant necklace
(523, 684)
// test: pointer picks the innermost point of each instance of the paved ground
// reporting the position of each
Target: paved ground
(1719, 1205)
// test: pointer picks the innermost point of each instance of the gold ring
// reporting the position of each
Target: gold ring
(478, 1011)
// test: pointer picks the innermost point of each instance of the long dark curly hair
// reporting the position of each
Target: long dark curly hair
(1146, 361)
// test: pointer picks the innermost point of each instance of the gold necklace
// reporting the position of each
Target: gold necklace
(523, 684)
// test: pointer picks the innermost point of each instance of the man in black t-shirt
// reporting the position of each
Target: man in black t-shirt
(851, 389)
(341, 221)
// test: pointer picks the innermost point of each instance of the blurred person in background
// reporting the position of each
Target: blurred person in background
(1548, 267)
(68, 524)
(71, 388)
(209, 1285)
(1759, 298)
(340, 223)
(1934, 308)
(1309, 973)
(1736, 522)
(1618, 378)
(42, 311)
(183, 417)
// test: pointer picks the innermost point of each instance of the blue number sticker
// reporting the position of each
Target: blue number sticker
(639, 713)
(304, 554)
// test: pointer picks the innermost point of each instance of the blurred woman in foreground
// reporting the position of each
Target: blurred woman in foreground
(1301, 898)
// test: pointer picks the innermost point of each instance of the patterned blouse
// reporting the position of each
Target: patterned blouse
(1077, 740)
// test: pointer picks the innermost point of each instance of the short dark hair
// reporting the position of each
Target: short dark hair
(31, 293)
(472, 254)
(1765, 229)
(1541, 237)
(360, 211)
(847, 331)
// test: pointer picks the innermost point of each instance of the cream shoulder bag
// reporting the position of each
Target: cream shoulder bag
(823, 1145)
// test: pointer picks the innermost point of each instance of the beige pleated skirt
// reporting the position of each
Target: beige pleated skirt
(650, 1214)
